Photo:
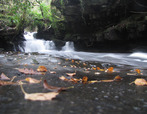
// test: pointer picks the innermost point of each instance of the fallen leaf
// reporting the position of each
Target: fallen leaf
(131, 74)
(52, 72)
(110, 70)
(54, 88)
(117, 78)
(3, 83)
(63, 78)
(39, 96)
(97, 73)
(32, 80)
(140, 82)
(138, 71)
(93, 68)
(106, 80)
(29, 71)
(72, 61)
(42, 69)
(84, 79)
(4, 77)
(71, 74)
(98, 68)
(93, 81)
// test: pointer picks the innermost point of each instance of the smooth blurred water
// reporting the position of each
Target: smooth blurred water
(137, 59)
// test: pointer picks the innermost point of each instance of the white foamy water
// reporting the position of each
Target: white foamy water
(37, 45)
(48, 47)
(69, 46)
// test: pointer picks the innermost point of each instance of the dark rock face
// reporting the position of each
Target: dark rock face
(10, 39)
(101, 24)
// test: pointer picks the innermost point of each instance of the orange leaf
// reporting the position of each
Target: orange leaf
(54, 88)
(138, 71)
(93, 68)
(98, 68)
(72, 61)
(42, 69)
(84, 79)
(117, 78)
(110, 70)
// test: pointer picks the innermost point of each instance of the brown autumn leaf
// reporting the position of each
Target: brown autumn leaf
(140, 82)
(54, 88)
(32, 80)
(42, 69)
(106, 80)
(29, 71)
(74, 80)
(3, 83)
(4, 77)
(71, 74)
(39, 96)
(84, 79)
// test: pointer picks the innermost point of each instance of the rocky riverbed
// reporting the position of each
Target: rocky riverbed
(88, 98)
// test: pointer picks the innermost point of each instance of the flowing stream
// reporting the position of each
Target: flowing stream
(136, 59)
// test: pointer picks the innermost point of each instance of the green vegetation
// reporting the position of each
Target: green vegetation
(29, 13)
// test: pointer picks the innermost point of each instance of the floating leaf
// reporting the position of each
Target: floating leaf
(42, 69)
(75, 80)
(4, 77)
(71, 74)
(39, 96)
(54, 88)
(131, 74)
(29, 71)
(140, 82)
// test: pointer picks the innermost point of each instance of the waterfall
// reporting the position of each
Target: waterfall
(69, 46)
(39, 45)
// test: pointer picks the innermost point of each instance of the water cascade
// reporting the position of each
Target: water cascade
(42, 46)
(69, 46)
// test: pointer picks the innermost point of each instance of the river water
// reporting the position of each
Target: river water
(136, 59)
